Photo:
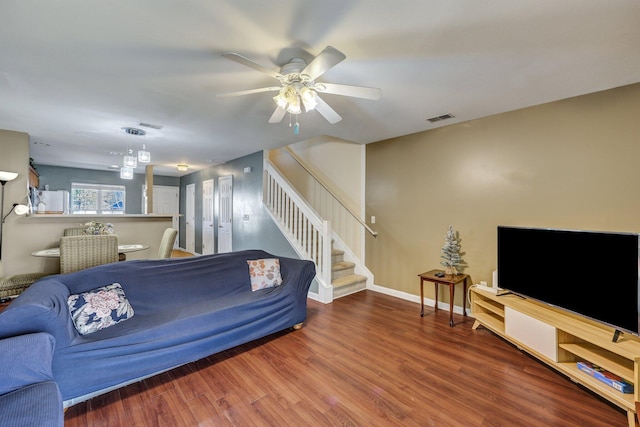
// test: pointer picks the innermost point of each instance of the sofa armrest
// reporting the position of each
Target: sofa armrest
(25, 360)
(35, 405)
(42, 307)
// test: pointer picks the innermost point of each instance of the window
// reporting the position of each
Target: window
(97, 199)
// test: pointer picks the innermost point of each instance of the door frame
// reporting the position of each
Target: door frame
(225, 239)
(208, 217)
(190, 218)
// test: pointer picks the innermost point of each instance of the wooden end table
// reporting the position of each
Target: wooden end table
(448, 280)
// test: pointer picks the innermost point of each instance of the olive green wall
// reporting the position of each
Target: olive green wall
(568, 164)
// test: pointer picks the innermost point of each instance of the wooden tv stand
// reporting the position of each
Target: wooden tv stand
(560, 339)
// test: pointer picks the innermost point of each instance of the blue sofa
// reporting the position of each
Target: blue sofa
(183, 309)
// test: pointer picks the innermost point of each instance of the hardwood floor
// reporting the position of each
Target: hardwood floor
(178, 253)
(366, 360)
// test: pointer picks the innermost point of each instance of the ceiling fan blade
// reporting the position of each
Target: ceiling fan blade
(249, 92)
(348, 90)
(326, 59)
(326, 111)
(249, 63)
(277, 115)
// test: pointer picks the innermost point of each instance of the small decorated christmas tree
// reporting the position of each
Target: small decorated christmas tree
(451, 255)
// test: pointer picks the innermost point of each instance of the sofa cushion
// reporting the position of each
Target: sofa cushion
(264, 273)
(99, 308)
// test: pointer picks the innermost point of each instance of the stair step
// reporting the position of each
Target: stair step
(348, 280)
(337, 255)
(348, 285)
(341, 269)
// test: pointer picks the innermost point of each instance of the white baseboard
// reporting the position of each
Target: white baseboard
(415, 298)
(402, 295)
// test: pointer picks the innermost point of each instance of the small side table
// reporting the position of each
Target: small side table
(449, 280)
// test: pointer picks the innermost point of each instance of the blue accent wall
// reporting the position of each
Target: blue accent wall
(256, 232)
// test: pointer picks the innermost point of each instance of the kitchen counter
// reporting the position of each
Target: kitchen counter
(43, 231)
(112, 216)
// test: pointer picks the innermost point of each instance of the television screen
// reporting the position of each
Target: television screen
(594, 274)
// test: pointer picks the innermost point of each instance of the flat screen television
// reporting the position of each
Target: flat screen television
(594, 274)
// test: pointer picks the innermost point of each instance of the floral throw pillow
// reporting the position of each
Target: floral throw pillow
(264, 273)
(99, 308)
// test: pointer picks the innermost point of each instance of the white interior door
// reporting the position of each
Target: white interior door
(190, 219)
(225, 191)
(166, 200)
(207, 217)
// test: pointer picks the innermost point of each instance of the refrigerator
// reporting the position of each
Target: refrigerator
(52, 202)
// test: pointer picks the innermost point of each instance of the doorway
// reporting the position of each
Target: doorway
(166, 201)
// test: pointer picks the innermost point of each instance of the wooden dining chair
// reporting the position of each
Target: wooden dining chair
(80, 252)
(167, 242)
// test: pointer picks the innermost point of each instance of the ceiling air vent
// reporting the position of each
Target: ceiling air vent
(440, 118)
(149, 125)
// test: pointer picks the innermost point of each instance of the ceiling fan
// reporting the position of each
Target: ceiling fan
(298, 87)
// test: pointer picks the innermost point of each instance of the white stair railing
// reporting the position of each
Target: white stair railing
(310, 235)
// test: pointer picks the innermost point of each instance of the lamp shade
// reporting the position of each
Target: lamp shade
(308, 97)
(8, 176)
(294, 106)
(21, 209)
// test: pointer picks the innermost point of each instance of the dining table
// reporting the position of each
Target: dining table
(122, 249)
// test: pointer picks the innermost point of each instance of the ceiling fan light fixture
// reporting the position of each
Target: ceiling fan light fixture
(308, 97)
(298, 85)
(280, 101)
(289, 93)
(294, 107)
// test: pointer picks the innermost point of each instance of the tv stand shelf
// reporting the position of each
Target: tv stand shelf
(575, 338)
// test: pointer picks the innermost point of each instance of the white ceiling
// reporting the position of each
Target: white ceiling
(74, 72)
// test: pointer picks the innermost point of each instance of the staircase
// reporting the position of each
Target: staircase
(339, 271)
(343, 277)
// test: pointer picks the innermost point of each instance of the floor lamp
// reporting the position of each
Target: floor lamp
(4, 178)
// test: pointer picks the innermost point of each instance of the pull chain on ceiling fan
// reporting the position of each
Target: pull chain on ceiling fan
(298, 90)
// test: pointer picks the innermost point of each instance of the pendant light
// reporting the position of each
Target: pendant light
(130, 161)
(126, 173)
(143, 155)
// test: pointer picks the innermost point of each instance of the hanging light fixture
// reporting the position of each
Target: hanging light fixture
(129, 160)
(143, 155)
(126, 173)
